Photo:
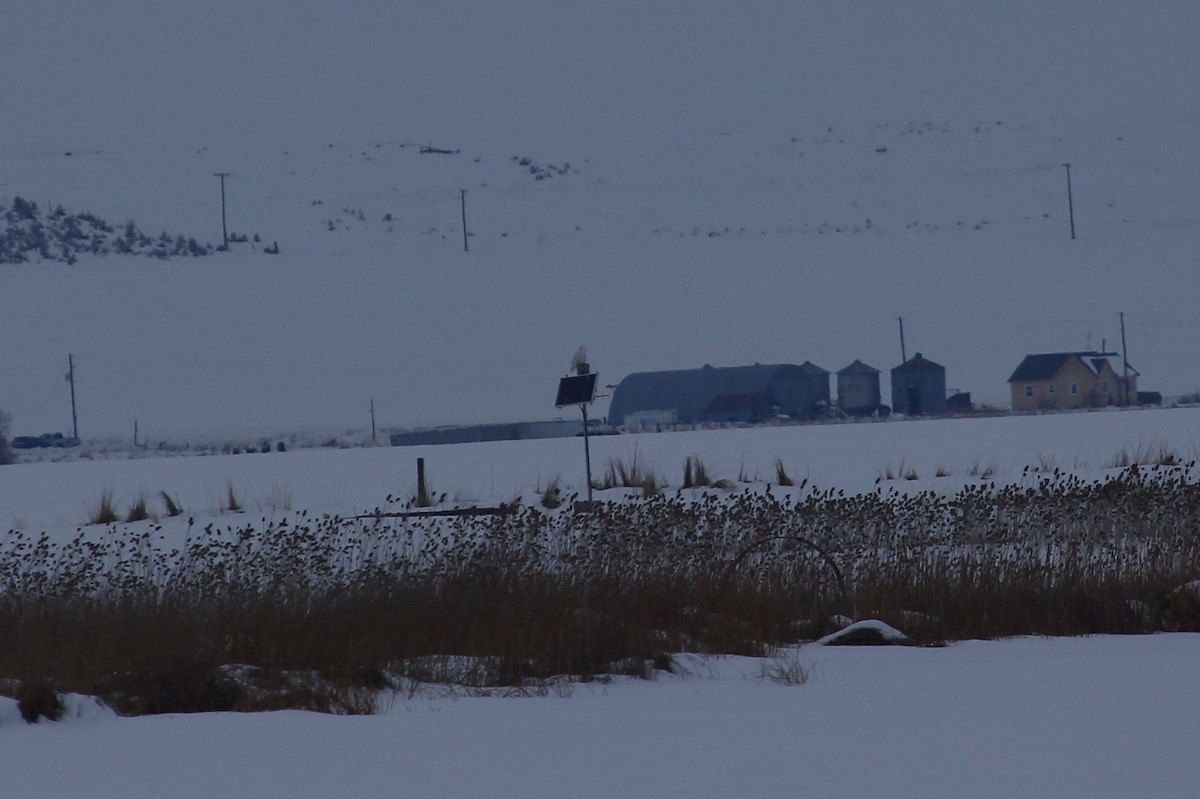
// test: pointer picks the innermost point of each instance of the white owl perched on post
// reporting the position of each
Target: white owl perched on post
(579, 361)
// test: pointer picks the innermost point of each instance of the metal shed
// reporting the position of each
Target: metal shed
(727, 394)
(919, 387)
(858, 389)
(476, 433)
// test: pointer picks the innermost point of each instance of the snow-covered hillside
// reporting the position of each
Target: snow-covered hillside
(670, 185)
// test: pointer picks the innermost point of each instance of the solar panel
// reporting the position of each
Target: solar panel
(576, 390)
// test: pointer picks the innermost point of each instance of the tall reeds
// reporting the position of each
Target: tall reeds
(510, 599)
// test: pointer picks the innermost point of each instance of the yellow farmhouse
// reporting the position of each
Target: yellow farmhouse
(1058, 380)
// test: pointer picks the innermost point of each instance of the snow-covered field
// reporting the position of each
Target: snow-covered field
(1090, 717)
(851, 456)
(1094, 717)
(671, 185)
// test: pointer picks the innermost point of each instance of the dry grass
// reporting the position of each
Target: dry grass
(522, 598)
(551, 494)
(105, 511)
(172, 506)
(1154, 453)
(695, 473)
(785, 668)
(782, 477)
(634, 474)
(232, 504)
(138, 512)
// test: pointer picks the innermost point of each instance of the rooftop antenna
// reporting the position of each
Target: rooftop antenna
(580, 389)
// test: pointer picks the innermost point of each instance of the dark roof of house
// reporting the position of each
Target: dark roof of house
(1041, 367)
(1046, 365)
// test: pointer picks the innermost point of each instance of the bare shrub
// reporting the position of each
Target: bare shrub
(36, 701)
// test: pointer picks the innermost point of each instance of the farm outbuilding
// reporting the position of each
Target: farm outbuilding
(721, 395)
(1057, 380)
(919, 387)
(475, 433)
(858, 389)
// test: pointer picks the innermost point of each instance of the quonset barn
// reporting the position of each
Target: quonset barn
(720, 395)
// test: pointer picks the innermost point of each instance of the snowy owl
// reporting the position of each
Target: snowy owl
(579, 359)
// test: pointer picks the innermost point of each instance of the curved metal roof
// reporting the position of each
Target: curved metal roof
(689, 392)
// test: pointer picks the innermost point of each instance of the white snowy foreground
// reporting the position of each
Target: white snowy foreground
(1088, 717)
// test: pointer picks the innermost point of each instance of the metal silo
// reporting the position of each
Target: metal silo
(858, 389)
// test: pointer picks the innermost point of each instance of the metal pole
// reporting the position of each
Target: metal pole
(71, 379)
(1070, 201)
(903, 353)
(587, 454)
(373, 421)
(1124, 360)
(422, 490)
(463, 197)
(224, 231)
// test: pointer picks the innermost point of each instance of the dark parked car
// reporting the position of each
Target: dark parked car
(44, 440)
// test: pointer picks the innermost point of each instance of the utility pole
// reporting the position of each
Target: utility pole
(71, 380)
(372, 421)
(1070, 201)
(1124, 360)
(903, 352)
(224, 230)
(462, 193)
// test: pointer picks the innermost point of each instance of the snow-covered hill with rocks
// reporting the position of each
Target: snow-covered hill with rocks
(670, 185)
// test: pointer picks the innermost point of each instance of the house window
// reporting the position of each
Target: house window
(1050, 388)
(1074, 389)
(1029, 391)
(1104, 388)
